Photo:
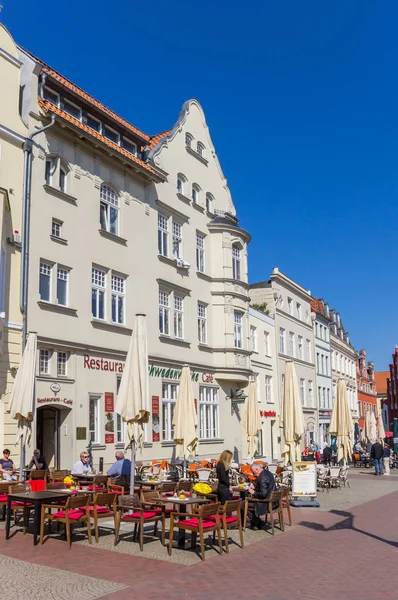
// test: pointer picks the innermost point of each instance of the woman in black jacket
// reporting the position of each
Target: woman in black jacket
(224, 485)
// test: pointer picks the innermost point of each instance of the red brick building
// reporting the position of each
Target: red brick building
(366, 383)
(392, 388)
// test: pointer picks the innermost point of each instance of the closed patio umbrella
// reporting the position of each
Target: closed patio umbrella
(395, 435)
(252, 420)
(292, 421)
(367, 427)
(132, 402)
(21, 404)
(380, 424)
(341, 423)
(373, 432)
(185, 421)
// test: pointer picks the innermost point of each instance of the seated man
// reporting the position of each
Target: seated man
(81, 467)
(121, 469)
(261, 488)
(38, 461)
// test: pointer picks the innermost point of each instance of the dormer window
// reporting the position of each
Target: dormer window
(93, 123)
(110, 134)
(130, 146)
(188, 140)
(51, 96)
(200, 149)
(72, 109)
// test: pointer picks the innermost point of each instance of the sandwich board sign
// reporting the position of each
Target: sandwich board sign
(304, 484)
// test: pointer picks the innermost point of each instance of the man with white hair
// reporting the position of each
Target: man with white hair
(121, 469)
(261, 489)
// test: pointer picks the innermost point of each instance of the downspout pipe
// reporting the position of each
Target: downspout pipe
(27, 188)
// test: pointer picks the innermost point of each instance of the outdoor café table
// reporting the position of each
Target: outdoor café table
(37, 499)
(151, 484)
(183, 503)
(88, 477)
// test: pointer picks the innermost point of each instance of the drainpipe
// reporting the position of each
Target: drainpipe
(27, 188)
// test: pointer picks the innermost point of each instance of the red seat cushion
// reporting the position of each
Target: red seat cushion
(3, 498)
(230, 519)
(17, 503)
(147, 515)
(195, 523)
(100, 509)
(96, 489)
(168, 494)
(74, 515)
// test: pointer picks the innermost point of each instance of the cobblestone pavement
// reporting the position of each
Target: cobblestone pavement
(316, 557)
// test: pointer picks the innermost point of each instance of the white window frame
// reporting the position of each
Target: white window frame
(90, 116)
(50, 173)
(188, 140)
(177, 239)
(253, 338)
(209, 202)
(236, 262)
(118, 295)
(310, 393)
(282, 340)
(300, 346)
(45, 361)
(200, 253)
(62, 364)
(109, 200)
(238, 328)
(169, 399)
(163, 235)
(268, 389)
(46, 270)
(302, 391)
(266, 344)
(79, 118)
(178, 320)
(195, 193)
(62, 185)
(181, 181)
(290, 306)
(298, 311)
(63, 275)
(105, 126)
(131, 143)
(94, 434)
(200, 149)
(308, 350)
(57, 233)
(164, 312)
(209, 414)
(46, 87)
(202, 323)
(291, 344)
(98, 286)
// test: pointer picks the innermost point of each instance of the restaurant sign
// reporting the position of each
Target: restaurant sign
(55, 400)
(304, 480)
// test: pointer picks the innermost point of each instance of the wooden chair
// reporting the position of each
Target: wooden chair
(231, 516)
(16, 505)
(58, 476)
(184, 486)
(76, 510)
(103, 507)
(131, 510)
(286, 502)
(274, 502)
(198, 525)
(99, 483)
(4, 485)
(168, 488)
(112, 487)
(38, 474)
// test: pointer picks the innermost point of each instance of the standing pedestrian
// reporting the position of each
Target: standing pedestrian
(377, 452)
(327, 455)
(224, 485)
(386, 459)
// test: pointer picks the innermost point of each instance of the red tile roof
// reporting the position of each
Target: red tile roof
(47, 106)
(381, 381)
(155, 139)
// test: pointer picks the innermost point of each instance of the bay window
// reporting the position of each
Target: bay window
(238, 329)
(236, 262)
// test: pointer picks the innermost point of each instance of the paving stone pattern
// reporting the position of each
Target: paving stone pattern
(328, 553)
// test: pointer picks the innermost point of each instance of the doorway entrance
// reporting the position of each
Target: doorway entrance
(47, 437)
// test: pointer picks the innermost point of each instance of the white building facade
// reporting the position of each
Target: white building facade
(124, 223)
(290, 304)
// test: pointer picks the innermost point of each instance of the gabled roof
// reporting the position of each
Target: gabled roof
(48, 107)
(155, 139)
(381, 381)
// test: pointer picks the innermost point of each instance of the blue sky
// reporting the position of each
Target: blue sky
(301, 100)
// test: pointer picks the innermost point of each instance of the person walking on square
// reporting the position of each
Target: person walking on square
(386, 459)
(377, 452)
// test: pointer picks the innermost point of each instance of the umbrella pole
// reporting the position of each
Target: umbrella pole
(132, 472)
(22, 459)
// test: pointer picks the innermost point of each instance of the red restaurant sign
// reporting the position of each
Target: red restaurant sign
(109, 402)
(267, 413)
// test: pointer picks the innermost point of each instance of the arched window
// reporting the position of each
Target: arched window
(236, 271)
(195, 193)
(209, 202)
(200, 149)
(188, 140)
(181, 181)
(50, 170)
(109, 209)
(62, 179)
